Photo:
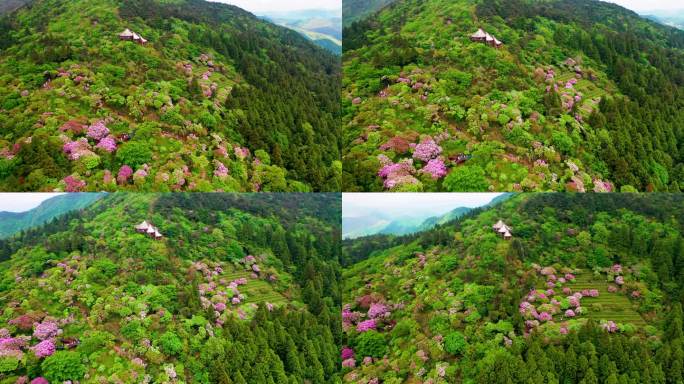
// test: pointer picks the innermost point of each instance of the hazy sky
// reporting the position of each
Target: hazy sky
(257, 6)
(20, 202)
(651, 5)
(410, 204)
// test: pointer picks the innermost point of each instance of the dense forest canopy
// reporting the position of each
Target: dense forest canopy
(589, 289)
(216, 99)
(236, 288)
(579, 96)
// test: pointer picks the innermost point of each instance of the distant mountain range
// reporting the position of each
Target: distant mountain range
(13, 222)
(671, 18)
(322, 26)
(379, 223)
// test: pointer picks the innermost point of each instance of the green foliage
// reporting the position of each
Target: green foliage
(170, 343)
(63, 366)
(455, 343)
(134, 153)
(371, 343)
(8, 364)
(466, 179)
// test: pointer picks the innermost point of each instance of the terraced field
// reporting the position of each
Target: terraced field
(613, 306)
(257, 291)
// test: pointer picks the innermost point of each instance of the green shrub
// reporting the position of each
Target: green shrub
(449, 263)
(8, 364)
(455, 343)
(134, 153)
(371, 343)
(170, 343)
(63, 366)
(439, 324)
(466, 179)
(94, 342)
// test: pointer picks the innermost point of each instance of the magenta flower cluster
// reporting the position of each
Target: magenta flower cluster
(46, 330)
(125, 173)
(397, 174)
(435, 168)
(73, 184)
(44, 348)
(366, 325)
(98, 131)
(107, 144)
(427, 150)
(221, 171)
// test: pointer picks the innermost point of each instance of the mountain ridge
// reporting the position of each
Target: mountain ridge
(13, 222)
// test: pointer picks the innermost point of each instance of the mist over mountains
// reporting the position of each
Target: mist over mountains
(378, 221)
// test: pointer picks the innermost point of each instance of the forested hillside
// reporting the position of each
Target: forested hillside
(579, 96)
(230, 289)
(589, 289)
(354, 10)
(214, 100)
(13, 222)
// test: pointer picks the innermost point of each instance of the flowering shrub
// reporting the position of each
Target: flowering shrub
(73, 184)
(366, 325)
(398, 174)
(44, 348)
(377, 310)
(125, 172)
(347, 353)
(98, 131)
(610, 326)
(45, 330)
(435, 168)
(427, 150)
(107, 144)
(221, 171)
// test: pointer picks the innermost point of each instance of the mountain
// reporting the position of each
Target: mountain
(376, 222)
(13, 222)
(671, 18)
(323, 27)
(447, 217)
(355, 10)
(215, 100)
(577, 96)
(236, 288)
(589, 289)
